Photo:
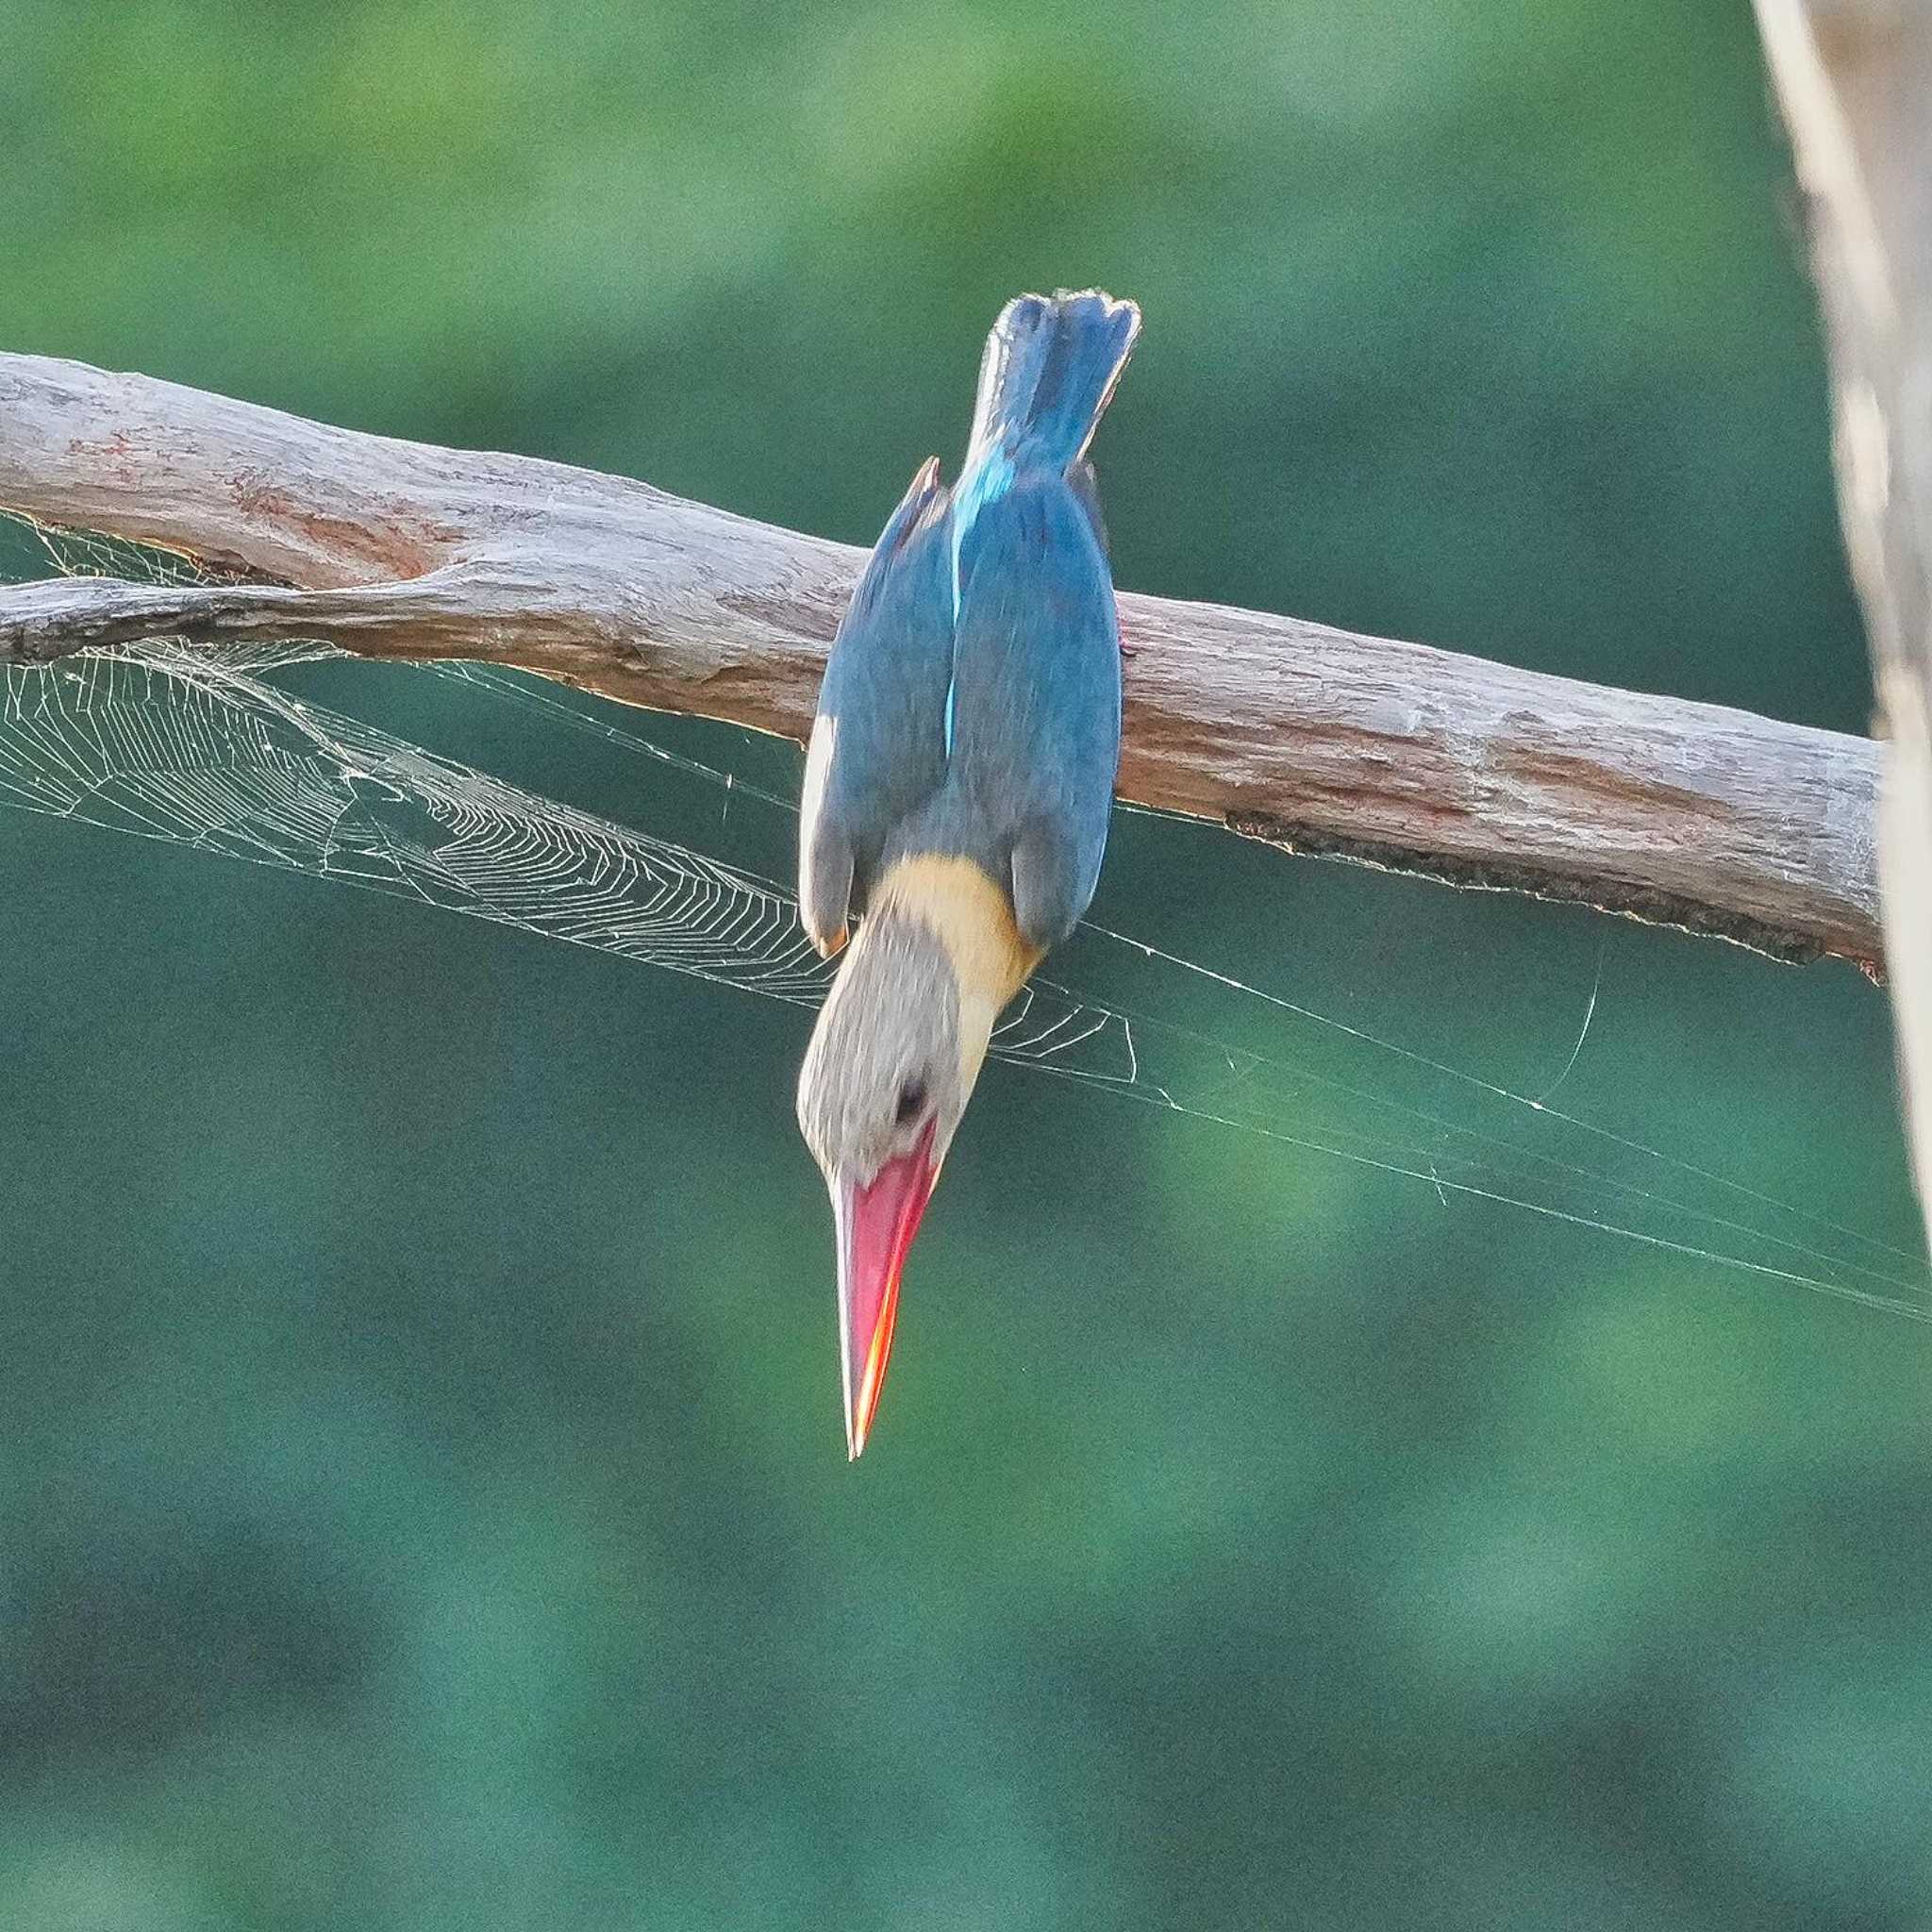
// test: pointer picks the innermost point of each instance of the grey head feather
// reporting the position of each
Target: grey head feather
(884, 1057)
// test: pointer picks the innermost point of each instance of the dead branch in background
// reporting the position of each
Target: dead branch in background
(1855, 80)
(1310, 738)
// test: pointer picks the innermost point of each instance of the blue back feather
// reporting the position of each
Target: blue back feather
(975, 684)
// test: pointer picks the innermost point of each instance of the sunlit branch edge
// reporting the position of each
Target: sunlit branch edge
(1853, 77)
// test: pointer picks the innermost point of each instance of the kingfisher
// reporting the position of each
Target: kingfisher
(958, 786)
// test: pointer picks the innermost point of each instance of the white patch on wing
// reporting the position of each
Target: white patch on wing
(985, 482)
(811, 804)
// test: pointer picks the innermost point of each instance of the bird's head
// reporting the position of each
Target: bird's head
(890, 1067)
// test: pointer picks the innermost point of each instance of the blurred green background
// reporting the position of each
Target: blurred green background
(422, 1497)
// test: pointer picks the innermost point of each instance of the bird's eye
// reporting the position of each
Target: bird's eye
(911, 1099)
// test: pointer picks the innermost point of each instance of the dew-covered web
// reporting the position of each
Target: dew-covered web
(205, 748)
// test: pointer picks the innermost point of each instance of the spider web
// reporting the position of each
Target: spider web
(205, 748)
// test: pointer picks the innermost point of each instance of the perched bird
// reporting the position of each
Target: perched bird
(957, 789)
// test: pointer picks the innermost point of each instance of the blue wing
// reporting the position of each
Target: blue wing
(877, 744)
(1036, 697)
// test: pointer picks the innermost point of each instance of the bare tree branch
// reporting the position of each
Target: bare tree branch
(1310, 738)
(1855, 80)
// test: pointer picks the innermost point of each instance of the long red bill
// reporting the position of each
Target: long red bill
(876, 1223)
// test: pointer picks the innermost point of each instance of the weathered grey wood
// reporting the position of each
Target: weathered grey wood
(1294, 732)
(1855, 80)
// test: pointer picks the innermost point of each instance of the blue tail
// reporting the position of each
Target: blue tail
(1049, 371)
